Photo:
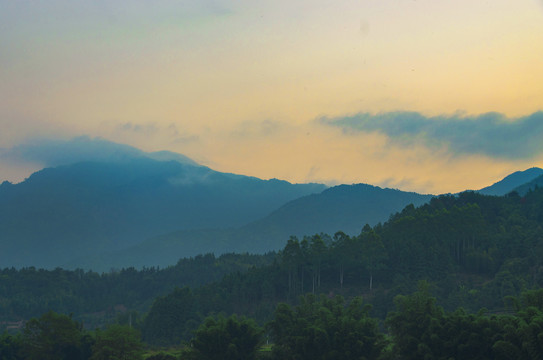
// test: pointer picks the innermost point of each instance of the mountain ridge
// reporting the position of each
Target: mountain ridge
(512, 181)
(307, 215)
(144, 207)
(88, 207)
(272, 231)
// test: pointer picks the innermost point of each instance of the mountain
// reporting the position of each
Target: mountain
(511, 182)
(103, 205)
(91, 207)
(344, 208)
(341, 208)
(532, 185)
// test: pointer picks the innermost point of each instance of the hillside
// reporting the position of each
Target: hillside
(346, 207)
(62, 213)
(118, 206)
(474, 250)
(512, 182)
(535, 183)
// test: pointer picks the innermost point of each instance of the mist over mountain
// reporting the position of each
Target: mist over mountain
(53, 153)
(344, 208)
(102, 205)
(86, 208)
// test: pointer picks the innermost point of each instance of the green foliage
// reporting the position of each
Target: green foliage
(30, 292)
(52, 336)
(323, 328)
(410, 323)
(475, 250)
(171, 318)
(373, 252)
(229, 338)
(162, 356)
(10, 347)
(117, 342)
(421, 330)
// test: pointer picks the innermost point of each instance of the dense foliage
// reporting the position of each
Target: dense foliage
(422, 330)
(96, 298)
(325, 328)
(476, 252)
(229, 338)
(117, 342)
(59, 337)
(317, 328)
(475, 249)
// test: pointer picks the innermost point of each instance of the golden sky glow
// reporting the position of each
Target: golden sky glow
(240, 86)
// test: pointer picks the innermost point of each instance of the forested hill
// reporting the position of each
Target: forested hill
(344, 207)
(512, 182)
(340, 208)
(535, 183)
(62, 213)
(475, 250)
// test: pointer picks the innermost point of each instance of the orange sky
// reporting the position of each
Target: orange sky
(240, 86)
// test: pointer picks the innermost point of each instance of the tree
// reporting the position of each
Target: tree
(323, 328)
(290, 258)
(422, 330)
(229, 338)
(373, 251)
(171, 318)
(317, 251)
(10, 347)
(410, 324)
(52, 336)
(343, 253)
(117, 342)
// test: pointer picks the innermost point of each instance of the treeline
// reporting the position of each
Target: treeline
(319, 327)
(98, 298)
(475, 250)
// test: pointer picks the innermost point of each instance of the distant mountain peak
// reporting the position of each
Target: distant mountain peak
(512, 181)
(94, 206)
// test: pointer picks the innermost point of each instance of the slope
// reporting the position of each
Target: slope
(341, 208)
(87, 208)
(511, 182)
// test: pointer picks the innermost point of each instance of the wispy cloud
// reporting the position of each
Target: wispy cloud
(61, 152)
(265, 128)
(490, 134)
(56, 152)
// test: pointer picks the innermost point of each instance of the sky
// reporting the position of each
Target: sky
(421, 95)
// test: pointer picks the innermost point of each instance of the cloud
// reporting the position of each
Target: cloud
(145, 129)
(492, 134)
(263, 128)
(61, 152)
(18, 162)
(83, 148)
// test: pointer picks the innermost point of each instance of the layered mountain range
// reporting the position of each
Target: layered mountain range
(140, 209)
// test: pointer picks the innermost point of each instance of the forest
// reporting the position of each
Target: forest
(459, 277)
